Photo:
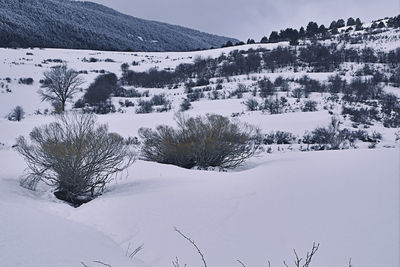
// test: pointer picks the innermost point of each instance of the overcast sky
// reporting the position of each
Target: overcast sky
(244, 19)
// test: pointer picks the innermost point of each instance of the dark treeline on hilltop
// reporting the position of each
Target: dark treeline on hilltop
(86, 25)
(313, 30)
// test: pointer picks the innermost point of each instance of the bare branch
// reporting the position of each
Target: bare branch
(194, 245)
(241, 263)
(350, 263)
(133, 254)
(102, 263)
(176, 263)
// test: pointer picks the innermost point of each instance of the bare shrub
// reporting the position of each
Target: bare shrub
(75, 155)
(185, 105)
(17, 114)
(251, 104)
(145, 107)
(210, 141)
(280, 138)
(330, 137)
(309, 106)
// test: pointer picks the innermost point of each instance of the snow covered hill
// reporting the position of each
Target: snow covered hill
(87, 25)
(287, 197)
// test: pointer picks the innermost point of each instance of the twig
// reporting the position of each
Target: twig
(350, 263)
(84, 265)
(298, 260)
(105, 264)
(127, 249)
(176, 263)
(241, 263)
(139, 248)
(194, 245)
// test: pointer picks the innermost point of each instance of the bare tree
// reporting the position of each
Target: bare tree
(75, 155)
(60, 84)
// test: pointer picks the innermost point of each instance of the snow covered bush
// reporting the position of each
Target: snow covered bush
(75, 155)
(17, 114)
(209, 141)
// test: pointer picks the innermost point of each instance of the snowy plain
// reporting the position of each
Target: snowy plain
(348, 201)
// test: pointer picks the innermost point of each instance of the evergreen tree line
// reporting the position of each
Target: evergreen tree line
(314, 30)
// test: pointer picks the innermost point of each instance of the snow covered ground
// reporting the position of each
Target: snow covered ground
(346, 200)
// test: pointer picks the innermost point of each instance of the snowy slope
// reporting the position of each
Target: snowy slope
(346, 200)
(87, 25)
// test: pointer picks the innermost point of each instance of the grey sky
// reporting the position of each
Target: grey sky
(252, 18)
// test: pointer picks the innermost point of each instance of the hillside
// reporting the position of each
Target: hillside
(86, 25)
(299, 189)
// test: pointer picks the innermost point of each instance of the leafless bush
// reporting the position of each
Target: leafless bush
(330, 137)
(75, 155)
(17, 114)
(210, 141)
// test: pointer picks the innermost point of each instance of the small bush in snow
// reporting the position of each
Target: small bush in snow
(145, 107)
(17, 114)
(251, 104)
(361, 115)
(185, 105)
(327, 137)
(279, 137)
(275, 106)
(100, 90)
(27, 81)
(309, 106)
(159, 100)
(361, 135)
(397, 135)
(210, 141)
(75, 155)
(267, 88)
(102, 107)
(195, 95)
